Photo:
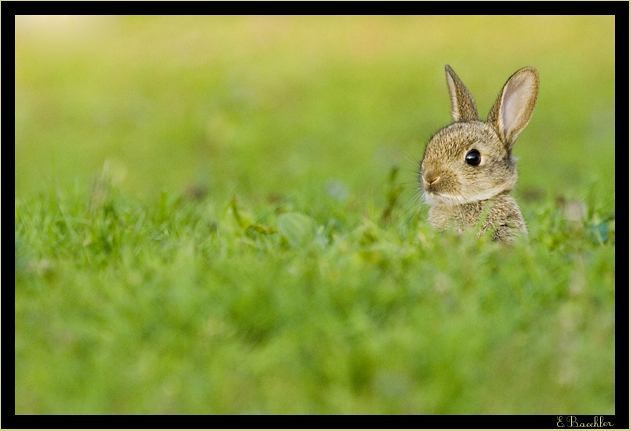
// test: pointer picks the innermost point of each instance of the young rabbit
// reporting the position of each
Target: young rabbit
(468, 169)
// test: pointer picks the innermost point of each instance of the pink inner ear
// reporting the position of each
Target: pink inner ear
(512, 110)
(517, 106)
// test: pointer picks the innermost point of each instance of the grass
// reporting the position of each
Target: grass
(219, 220)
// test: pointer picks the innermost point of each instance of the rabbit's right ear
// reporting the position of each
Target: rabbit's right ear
(462, 104)
(515, 105)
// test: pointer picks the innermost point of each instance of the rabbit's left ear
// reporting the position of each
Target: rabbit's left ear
(462, 104)
(514, 106)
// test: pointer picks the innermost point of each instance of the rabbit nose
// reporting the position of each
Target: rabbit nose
(430, 178)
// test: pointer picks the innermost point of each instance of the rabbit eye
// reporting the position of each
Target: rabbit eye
(473, 158)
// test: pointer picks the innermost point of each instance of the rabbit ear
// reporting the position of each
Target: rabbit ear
(462, 104)
(515, 104)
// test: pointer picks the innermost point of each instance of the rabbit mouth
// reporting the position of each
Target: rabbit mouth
(457, 198)
(445, 199)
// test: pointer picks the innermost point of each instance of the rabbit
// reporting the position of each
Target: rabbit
(468, 169)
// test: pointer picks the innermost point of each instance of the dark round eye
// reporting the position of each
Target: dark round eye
(473, 158)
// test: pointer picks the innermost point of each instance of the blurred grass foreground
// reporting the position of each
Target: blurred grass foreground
(220, 215)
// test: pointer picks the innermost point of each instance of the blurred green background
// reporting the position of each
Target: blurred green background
(280, 105)
(208, 220)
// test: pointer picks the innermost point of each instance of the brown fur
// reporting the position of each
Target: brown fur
(460, 193)
(504, 217)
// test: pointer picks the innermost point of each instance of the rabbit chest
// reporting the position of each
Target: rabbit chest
(500, 215)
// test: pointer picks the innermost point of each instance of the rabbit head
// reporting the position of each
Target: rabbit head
(471, 160)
